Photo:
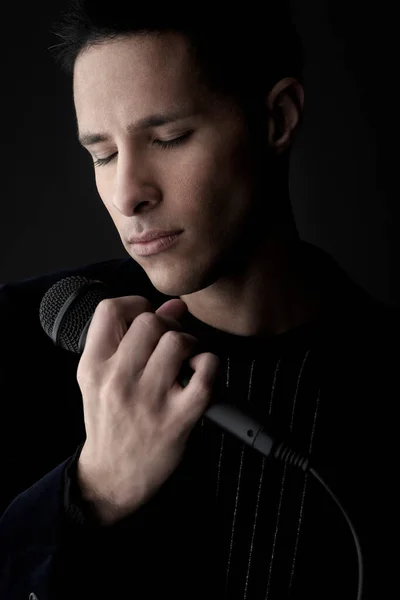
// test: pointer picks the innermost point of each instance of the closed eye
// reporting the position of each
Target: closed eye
(174, 142)
(99, 162)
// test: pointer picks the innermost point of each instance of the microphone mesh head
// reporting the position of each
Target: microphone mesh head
(76, 315)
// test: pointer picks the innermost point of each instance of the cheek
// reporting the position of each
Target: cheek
(209, 169)
(104, 188)
(212, 193)
(105, 191)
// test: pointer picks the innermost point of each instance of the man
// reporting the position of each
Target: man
(190, 128)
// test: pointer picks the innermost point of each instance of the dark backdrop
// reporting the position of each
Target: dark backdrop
(343, 161)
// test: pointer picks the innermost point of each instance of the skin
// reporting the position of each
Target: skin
(234, 266)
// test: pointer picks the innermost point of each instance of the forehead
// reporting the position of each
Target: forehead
(139, 71)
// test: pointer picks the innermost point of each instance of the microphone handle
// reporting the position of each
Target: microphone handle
(232, 419)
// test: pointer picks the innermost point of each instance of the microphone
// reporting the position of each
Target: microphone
(65, 313)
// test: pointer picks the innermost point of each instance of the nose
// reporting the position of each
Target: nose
(135, 187)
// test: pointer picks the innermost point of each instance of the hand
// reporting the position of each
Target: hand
(137, 416)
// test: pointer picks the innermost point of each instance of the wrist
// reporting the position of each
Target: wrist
(101, 509)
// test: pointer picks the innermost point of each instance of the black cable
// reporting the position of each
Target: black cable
(285, 453)
(353, 531)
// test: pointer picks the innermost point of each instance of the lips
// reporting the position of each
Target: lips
(156, 245)
(152, 235)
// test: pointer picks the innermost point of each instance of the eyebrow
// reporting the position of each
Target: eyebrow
(156, 120)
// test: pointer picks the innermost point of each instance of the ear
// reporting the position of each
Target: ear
(285, 104)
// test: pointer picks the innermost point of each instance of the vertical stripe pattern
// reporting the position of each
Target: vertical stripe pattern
(260, 504)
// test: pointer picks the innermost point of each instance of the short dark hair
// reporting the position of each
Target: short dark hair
(239, 52)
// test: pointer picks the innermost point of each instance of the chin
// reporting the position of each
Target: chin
(177, 283)
(181, 276)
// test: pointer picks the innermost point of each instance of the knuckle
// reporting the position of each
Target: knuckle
(107, 306)
(182, 341)
(86, 375)
(174, 337)
(213, 360)
(147, 319)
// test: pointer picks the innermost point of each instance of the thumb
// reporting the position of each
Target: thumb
(173, 309)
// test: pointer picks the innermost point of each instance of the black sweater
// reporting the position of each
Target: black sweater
(232, 524)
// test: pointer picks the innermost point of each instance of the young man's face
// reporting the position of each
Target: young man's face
(203, 185)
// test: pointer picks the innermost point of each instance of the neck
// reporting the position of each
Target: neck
(270, 296)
